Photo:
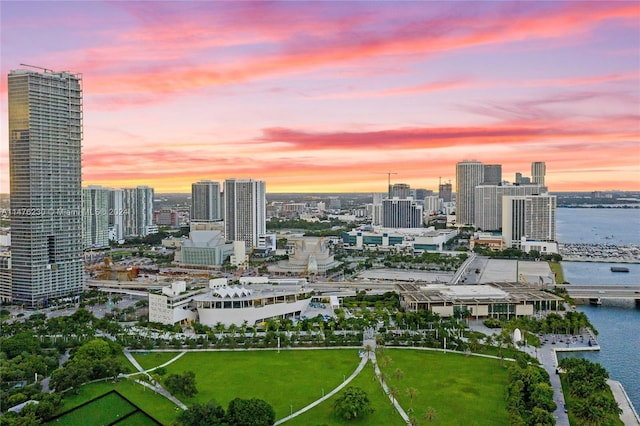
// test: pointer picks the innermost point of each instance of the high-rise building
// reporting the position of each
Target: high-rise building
(245, 210)
(488, 203)
(116, 214)
(206, 201)
(469, 174)
(530, 216)
(400, 190)
(137, 212)
(538, 170)
(492, 174)
(444, 191)
(401, 213)
(95, 217)
(45, 135)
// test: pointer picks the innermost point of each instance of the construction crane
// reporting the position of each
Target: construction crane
(37, 67)
(389, 181)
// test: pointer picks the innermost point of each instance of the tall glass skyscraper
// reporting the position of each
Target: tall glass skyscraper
(245, 204)
(45, 134)
(205, 201)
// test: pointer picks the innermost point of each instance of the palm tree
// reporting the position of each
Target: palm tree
(398, 374)
(411, 393)
(393, 393)
(430, 414)
(386, 361)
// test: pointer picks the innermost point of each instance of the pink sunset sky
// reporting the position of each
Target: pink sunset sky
(329, 96)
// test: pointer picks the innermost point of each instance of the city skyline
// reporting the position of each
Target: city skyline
(329, 97)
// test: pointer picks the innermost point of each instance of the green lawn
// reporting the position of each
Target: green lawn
(463, 390)
(291, 377)
(556, 268)
(153, 359)
(102, 411)
(384, 414)
(158, 406)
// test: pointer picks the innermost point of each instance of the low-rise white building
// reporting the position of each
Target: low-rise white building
(172, 304)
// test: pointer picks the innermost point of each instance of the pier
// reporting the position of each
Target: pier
(595, 293)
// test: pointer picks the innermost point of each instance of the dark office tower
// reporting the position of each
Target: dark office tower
(400, 190)
(492, 174)
(401, 213)
(45, 134)
(206, 201)
(469, 174)
(538, 170)
(444, 192)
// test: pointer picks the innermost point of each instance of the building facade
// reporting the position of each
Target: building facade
(469, 174)
(45, 135)
(538, 171)
(488, 203)
(445, 191)
(530, 217)
(206, 201)
(245, 210)
(138, 212)
(401, 213)
(95, 218)
(492, 174)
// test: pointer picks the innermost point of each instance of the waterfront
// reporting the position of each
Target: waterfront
(617, 322)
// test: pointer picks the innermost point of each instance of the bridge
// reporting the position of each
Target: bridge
(597, 293)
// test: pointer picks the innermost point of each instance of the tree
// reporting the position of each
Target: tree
(398, 374)
(202, 414)
(250, 412)
(183, 384)
(353, 403)
(430, 414)
(411, 393)
(540, 416)
(393, 393)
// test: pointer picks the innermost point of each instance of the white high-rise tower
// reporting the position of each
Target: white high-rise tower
(245, 216)
(469, 174)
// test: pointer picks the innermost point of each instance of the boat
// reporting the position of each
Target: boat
(619, 269)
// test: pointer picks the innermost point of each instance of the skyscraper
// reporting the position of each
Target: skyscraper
(45, 134)
(538, 170)
(492, 174)
(401, 213)
(138, 212)
(488, 203)
(205, 201)
(444, 192)
(469, 174)
(400, 190)
(95, 217)
(245, 210)
(530, 216)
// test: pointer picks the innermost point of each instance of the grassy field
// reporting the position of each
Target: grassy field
(153, 359)
(463, 390)
(159, 407)
(102, 411)
(292, 377)
(384, 414)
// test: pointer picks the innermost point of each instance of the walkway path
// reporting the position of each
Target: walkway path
(629, 415)
(357, 371)
(393, 400)
(156, 387)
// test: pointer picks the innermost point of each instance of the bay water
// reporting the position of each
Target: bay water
(618, 322)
